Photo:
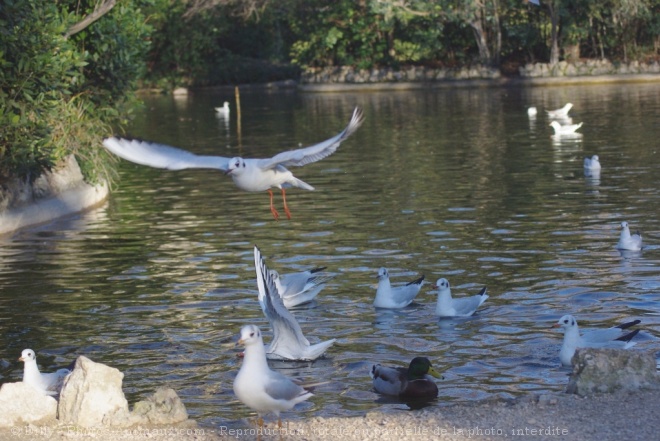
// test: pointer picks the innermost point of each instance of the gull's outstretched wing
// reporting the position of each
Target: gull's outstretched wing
(315, 152)
(161, 155)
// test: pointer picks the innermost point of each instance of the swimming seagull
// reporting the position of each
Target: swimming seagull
(615, 337)
(260, 388)
(397, 297)
(224, 110)
(568, 129)
(450, 307)
(299, 288)
(532, 112)
(627, 241)
(288, 342)
(560, 113)
(48, 384)
(248, 174)
(592, 163)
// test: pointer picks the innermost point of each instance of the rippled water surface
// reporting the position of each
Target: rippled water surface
(449, 183)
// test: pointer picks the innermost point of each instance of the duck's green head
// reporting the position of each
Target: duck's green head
(421, 366)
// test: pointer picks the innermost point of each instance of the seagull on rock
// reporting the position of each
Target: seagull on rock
(248, 174)
(450, 307)
(615, 337)
(47, 384)
(397, 297)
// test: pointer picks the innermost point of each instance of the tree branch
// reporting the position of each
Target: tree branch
(99, 12)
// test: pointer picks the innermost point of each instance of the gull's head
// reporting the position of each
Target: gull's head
(595, 158)
(250, 335)
(566, 322)
(555, 125)
(441, 284)
(27, 355)
(274, 275)
(624, 225)
(235, 166)
(383, 274)
(532, 111)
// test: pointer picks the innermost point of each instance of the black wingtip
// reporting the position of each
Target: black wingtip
(483, 291)
(628, 324)
(629, 337)
(417, 281)
(316, 270)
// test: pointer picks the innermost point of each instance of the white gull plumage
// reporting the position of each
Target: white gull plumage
(248, 174)
(301, 287)
(47, 384)
(447, 306)
(592, 163)
(224, 110)
(395, 297)
(615, 337)
(288, 342)
(259, 387)
(532, 112)
(563, 130)
(627, 241)
(560, 113)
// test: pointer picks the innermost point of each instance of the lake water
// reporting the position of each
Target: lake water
(457, 183)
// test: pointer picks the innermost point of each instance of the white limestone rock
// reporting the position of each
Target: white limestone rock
(21, 403)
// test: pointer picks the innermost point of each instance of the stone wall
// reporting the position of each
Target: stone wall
(350, 75)
(587, 68)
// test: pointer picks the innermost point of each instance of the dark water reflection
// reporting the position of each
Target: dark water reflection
(458, 184)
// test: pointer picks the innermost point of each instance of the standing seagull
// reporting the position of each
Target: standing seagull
(397, 297)
(48, 384)
(299, 288)
(248, 174)
(288, 342)
(260, 388)
(560, 113)
(627, 241)
(598, 338)
(463, 307)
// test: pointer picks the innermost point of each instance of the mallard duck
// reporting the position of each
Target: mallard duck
(411, 382)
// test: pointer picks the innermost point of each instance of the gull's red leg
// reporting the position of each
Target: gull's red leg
(276, 215)
(286, 208)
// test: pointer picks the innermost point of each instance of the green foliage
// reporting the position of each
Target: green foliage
(58, 95)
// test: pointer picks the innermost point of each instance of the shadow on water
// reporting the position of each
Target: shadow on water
(458, 184)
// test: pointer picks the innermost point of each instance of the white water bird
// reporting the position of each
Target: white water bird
(288, 342)
(395, 297)
(532, 112)
(224, 110)
(627, 241)
(260, 388)
(412, 382)
(462, 307)
(568, 129)
(248, 174)
(48, 384)
(615, 337)
(592, 163)
(301, 287)
(560, 113)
